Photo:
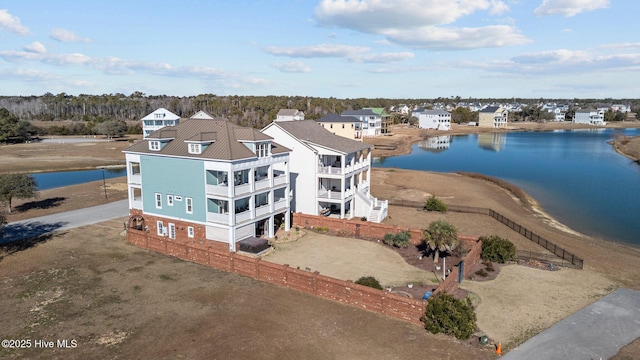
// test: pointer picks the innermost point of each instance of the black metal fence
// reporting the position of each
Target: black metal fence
(560, 252)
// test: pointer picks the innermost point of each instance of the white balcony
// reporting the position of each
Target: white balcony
(136, 203)
(218, 190)
(243, 216)
(262, 184)
(135, 179)
(280, 205)
(279, 180)
(262, 210)
(242, 189)
(330, 170)
(218, 218)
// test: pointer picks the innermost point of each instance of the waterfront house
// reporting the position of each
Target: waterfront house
(330, 174)
(210, 180)
(346, 126)
(493, 117)
(433, 119)
(589, 116)
(157, 120)
(289, 115)
(385, 119)
(371, 121)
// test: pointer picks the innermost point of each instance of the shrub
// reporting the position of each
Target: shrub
(451, 316)
(369, 281)
(434, 204)
(482, 273)
(322, 229)
(497, 249)
(400, 239)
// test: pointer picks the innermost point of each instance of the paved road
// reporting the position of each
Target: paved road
(597, 331)
(66, 220)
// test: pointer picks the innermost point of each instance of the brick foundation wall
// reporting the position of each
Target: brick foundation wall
(210, 253)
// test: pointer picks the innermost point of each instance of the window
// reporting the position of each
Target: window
(189, 205)
(161, 230)
(158, 201)
(190, 232)
(195, 148)
(262, 149)
(154, 145)
(172, 231)
(170, 200)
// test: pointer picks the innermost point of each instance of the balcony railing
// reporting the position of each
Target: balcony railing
(243, 189)
(262, 210)
(136, 203)
(334, 194)
(217, 189)
(332, 170)
(135, 178)
(243, 216)
(218, 218)
(262, 184)
(280, 204)
(279, 180)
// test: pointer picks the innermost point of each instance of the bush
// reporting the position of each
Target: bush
(497, 249)
(400, 239)
(448, 315)
(369, 281)
(434, 204)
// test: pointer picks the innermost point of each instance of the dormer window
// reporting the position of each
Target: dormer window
(262, 149)
(154, 145)
(195, 148)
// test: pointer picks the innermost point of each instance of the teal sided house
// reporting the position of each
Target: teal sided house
(209, 180)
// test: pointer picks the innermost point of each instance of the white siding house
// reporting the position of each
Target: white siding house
(330, 175)
(157, 120)
(589, 116)
(433, 119)
(371, 121)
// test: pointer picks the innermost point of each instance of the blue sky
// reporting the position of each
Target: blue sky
(325, 48)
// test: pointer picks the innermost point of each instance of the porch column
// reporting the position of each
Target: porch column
(232, 239)
(287, 220)
(271, 224)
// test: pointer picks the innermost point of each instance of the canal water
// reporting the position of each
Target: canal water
(575, 175)
(52, 180)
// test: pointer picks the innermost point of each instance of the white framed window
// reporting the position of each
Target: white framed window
(190, 232)
(158, 201)
(172, 231)
(262, 149)
(189, 205)
(195, 148)
(154, 145)
(170, 200)
(161, 230)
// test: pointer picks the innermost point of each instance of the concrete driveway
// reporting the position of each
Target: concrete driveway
(597, 331)
(65, 220)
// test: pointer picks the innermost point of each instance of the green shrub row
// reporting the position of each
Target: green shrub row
(400, 239)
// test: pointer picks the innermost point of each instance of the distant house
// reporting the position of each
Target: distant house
(346, 126)
(385, 119)
(157, 120)
(208, 180)
(371, 121)
(589, 116)
(330, 175)
(433, 119)
(493, 117)
(289, 115)
(620, 108)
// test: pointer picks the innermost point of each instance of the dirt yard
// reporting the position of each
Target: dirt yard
(120, 302)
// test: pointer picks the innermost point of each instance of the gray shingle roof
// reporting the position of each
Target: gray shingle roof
(226, 139)
(311, 132)
(359, 112)
(337, 118)
(490, 109)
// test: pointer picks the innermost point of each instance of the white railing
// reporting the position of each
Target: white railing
(262, 184)
(280, 204)
(135, 179)
(329, 170)
(262, 210)
(218, 218)
(279, 180)
(218, 190)
(242, 189)
(328, 194)
(243, 216)
(136, 203)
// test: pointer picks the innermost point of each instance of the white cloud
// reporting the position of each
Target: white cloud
(26, 74)
(569, 8)
(292, 67)
(317, 51)
(36, 47)
(387, 57)
(438, 38)
(406, 21)
(12, 23)
(63, 35)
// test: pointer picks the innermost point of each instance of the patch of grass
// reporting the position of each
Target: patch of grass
(166, 277)
(135, 269)
(137, 287)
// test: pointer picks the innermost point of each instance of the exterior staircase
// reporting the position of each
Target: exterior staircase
(377, 209)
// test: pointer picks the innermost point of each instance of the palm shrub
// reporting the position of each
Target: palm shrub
(369, 281)
(435, 204)
(446, 314)
(440, 236)
(497, 249)
(400, 239)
